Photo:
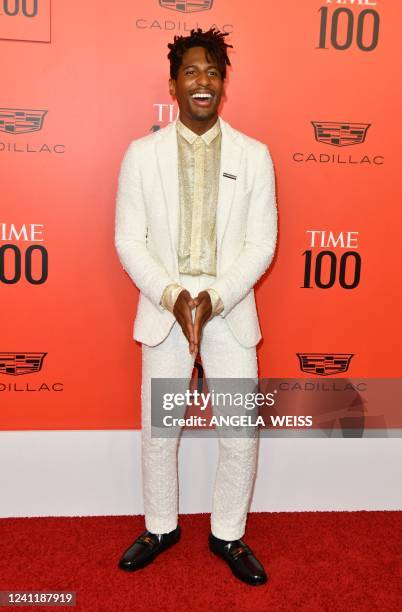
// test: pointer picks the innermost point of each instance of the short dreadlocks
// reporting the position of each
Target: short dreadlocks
(212, 40)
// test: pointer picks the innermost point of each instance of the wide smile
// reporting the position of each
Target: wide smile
(202, 98)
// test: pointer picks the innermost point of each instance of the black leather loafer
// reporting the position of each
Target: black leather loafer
(240, 559)
(145, 548)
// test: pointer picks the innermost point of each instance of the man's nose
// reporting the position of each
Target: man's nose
(203, 78)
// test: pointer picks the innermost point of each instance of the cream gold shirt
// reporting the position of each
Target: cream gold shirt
(198, 169)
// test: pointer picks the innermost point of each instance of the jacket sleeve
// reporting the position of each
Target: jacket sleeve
(131, 229)
(260, 238)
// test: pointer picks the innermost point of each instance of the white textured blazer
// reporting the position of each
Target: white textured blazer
(147, 228)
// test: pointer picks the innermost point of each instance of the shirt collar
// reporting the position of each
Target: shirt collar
(191, 136)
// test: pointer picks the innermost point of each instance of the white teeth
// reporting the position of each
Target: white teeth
(202, 95)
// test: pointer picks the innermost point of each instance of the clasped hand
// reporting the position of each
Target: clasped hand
(183, 312)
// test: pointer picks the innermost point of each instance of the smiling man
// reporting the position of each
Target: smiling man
(196, 227)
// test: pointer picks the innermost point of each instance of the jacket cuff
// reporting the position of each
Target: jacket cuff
(170, 295)
(217, 304)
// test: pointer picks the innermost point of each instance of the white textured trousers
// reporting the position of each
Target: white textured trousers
(222, 357)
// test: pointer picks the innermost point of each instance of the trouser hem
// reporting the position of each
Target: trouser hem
(158, 526)
(223, 533)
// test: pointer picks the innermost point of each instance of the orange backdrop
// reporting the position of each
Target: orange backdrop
(317, 81)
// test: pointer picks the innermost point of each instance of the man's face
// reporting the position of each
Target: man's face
(198, 87)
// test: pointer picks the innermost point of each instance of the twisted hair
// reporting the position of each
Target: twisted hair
(212, 40)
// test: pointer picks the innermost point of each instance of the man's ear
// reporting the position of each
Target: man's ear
(172, 87)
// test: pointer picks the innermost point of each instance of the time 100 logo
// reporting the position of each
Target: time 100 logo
(14, 264)
(344, 23)
(27, 8)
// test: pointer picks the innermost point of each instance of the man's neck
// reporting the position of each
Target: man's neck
(199, 127)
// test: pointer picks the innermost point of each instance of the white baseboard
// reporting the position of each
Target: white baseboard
(84, 473)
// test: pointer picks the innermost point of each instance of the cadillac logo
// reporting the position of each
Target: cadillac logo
(17, 364)
(324, 364)
(340, 134)
(187, 6)
(21, 121)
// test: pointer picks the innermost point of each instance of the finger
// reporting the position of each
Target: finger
(197, 328)
(190, 327)
(188, 315)
(193, 349)
(190, 335)
(186, 324)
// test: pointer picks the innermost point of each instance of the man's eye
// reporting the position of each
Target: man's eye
(189, 71)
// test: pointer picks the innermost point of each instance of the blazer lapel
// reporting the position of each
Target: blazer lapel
(166, 152)
(231, 154)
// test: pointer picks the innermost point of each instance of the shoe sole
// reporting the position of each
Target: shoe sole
(241, 578)
(150, 559)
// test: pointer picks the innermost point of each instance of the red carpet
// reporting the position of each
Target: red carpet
(330, 561)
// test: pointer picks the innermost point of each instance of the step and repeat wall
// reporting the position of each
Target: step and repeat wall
(317, 81)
